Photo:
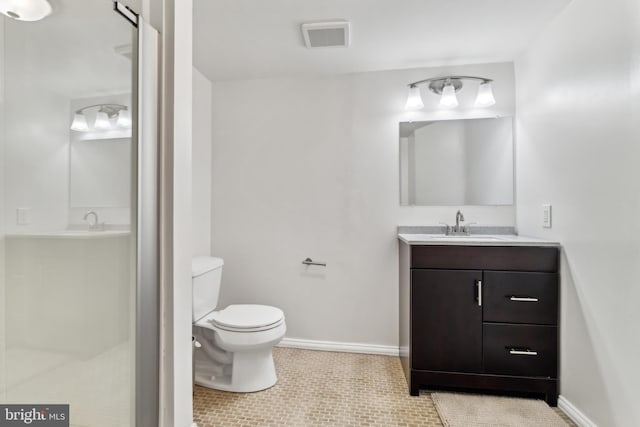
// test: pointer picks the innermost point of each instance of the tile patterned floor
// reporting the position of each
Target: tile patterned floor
(322, 389)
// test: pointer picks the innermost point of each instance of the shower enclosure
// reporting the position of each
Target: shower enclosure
(78, 288)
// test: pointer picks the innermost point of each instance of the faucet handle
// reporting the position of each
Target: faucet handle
(447, 228)
(466, 227)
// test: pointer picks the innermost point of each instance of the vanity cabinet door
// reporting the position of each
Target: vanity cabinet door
(446, 320)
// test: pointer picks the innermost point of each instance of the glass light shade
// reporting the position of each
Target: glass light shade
(102, 121)
(449, 98)
(124, 119)
(414, 100)
(79, 123)
(25, 10)
(485, 95)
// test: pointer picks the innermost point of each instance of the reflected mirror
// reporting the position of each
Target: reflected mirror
(100, 174)
(457, 162)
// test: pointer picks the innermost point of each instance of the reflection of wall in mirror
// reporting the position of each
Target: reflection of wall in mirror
(489, 162)
(406, 181)
(438, 164)
(2, 221)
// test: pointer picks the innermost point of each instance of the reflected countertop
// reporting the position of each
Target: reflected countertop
(70, 234)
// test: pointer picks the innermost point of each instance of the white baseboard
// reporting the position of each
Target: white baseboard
(574, 413)
(343, 347)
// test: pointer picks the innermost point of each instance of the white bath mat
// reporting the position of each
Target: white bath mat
(471, 410)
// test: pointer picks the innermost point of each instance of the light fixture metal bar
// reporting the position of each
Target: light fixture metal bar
(110, 109)
(437, 79)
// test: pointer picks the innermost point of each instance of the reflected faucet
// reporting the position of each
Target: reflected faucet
(93, 225)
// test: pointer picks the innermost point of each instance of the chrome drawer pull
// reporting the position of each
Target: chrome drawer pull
(523, 299)
(523, 352)
(479, 285)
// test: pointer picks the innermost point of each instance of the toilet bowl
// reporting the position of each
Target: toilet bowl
(237, 342)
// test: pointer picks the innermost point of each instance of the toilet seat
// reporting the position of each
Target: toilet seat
(245, 318)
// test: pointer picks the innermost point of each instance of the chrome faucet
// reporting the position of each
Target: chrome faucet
(459, 217)
(458, 230)
(93, 225)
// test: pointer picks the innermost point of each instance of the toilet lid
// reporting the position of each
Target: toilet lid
(247, 316)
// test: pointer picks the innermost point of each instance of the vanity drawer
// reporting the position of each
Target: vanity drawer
(520, 297)
(510, 258)
(520, 350)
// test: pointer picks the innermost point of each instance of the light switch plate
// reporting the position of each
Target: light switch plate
(546, 216)
(23, 216)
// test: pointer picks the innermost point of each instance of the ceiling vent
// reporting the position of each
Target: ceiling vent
(326, 34)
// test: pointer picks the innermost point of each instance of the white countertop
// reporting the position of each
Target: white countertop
(474, 240)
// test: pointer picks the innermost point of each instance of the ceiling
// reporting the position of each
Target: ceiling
(246, 39)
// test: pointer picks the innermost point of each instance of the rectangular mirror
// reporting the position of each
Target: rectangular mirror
(100, 173)
(457, 162)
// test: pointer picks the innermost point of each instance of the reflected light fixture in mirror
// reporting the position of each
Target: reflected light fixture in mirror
(25, 10)
(447, 87)
(124, 119)
(102, 121)
(79, 123)
(107, 117)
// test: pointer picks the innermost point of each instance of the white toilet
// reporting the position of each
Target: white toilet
(237, 342)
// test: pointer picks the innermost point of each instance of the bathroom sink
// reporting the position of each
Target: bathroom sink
(469, 238)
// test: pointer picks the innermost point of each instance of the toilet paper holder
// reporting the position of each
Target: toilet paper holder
(309, 261)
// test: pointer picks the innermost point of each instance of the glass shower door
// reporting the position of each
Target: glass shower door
(68, 209)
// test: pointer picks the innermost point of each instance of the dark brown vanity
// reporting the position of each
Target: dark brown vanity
(480, 317)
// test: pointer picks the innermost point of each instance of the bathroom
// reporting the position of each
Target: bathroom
(295, 154)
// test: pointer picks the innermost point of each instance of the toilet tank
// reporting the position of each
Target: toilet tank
(206, 273)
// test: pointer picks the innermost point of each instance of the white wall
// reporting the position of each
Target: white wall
(310, 168)
(201, 167)
(578, 130)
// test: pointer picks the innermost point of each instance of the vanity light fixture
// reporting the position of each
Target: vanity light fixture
(449, 98)
(106, 115)
(447, 87)
(102, 121)
(414, 101)
(485, 95)
(79, 123)
(25, 10)
(124, 119)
